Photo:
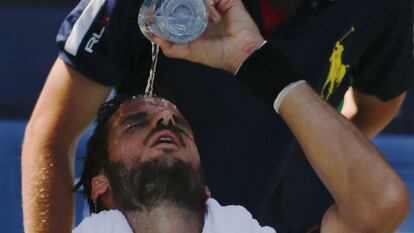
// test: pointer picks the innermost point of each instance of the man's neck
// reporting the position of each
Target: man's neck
(288, 8)
(165, 219)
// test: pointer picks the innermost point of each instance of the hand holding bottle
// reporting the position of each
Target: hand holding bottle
(230, 38)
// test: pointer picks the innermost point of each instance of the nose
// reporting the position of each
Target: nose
(164, 117)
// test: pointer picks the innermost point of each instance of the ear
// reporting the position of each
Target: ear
(207, 191)
(100, 186)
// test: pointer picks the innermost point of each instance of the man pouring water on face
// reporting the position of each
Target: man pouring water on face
(151, 152)
(100, 47)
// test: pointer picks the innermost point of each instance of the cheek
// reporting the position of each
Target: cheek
(193, 151)
(130, 151)
(129, 148)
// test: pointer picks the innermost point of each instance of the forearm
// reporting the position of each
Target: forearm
(349, 165)
(67, 105)
(47, 182)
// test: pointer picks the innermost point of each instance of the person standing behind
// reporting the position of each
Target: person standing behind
(358, 56)
(101, 47)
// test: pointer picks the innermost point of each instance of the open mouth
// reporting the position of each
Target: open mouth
(165, 137)
(165, 140)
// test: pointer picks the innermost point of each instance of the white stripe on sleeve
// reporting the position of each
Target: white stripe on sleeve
(82, 26)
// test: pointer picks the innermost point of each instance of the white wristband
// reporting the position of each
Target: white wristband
(283, 93)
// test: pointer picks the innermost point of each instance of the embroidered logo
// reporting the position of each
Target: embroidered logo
(337, 70)
(96, 36)
(93, 40)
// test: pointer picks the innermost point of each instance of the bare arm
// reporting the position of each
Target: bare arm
(369, 195)
(66, 106)
(369, 113)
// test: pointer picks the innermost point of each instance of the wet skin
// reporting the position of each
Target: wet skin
(147, 127)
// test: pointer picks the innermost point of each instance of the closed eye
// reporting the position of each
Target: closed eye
(180, 121)
(133, 126)
(137, 120)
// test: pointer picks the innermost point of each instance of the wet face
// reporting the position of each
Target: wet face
(147, 127)
(153, 157)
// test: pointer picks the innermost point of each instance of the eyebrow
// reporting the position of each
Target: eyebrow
(139, 116)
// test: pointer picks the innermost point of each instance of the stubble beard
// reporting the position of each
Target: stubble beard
(164, 180)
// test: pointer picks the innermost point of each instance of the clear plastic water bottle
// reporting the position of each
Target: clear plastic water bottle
(179, 21)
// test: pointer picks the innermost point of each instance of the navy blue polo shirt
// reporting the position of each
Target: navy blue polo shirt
(248, 153)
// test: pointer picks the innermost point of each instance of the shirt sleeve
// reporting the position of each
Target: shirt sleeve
(96, 40)
(387, 68)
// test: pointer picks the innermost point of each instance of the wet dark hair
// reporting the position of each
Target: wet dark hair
(97, 155)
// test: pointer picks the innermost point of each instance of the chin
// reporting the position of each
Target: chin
(171, 154)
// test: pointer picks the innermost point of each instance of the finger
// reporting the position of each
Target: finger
(164, 44)
(223, 6)
(213, 14)
(176, 51)
(171, 49)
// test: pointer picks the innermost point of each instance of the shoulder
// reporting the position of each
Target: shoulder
(101, 40)
(231, 219)
(102, 12)
(112, 221)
